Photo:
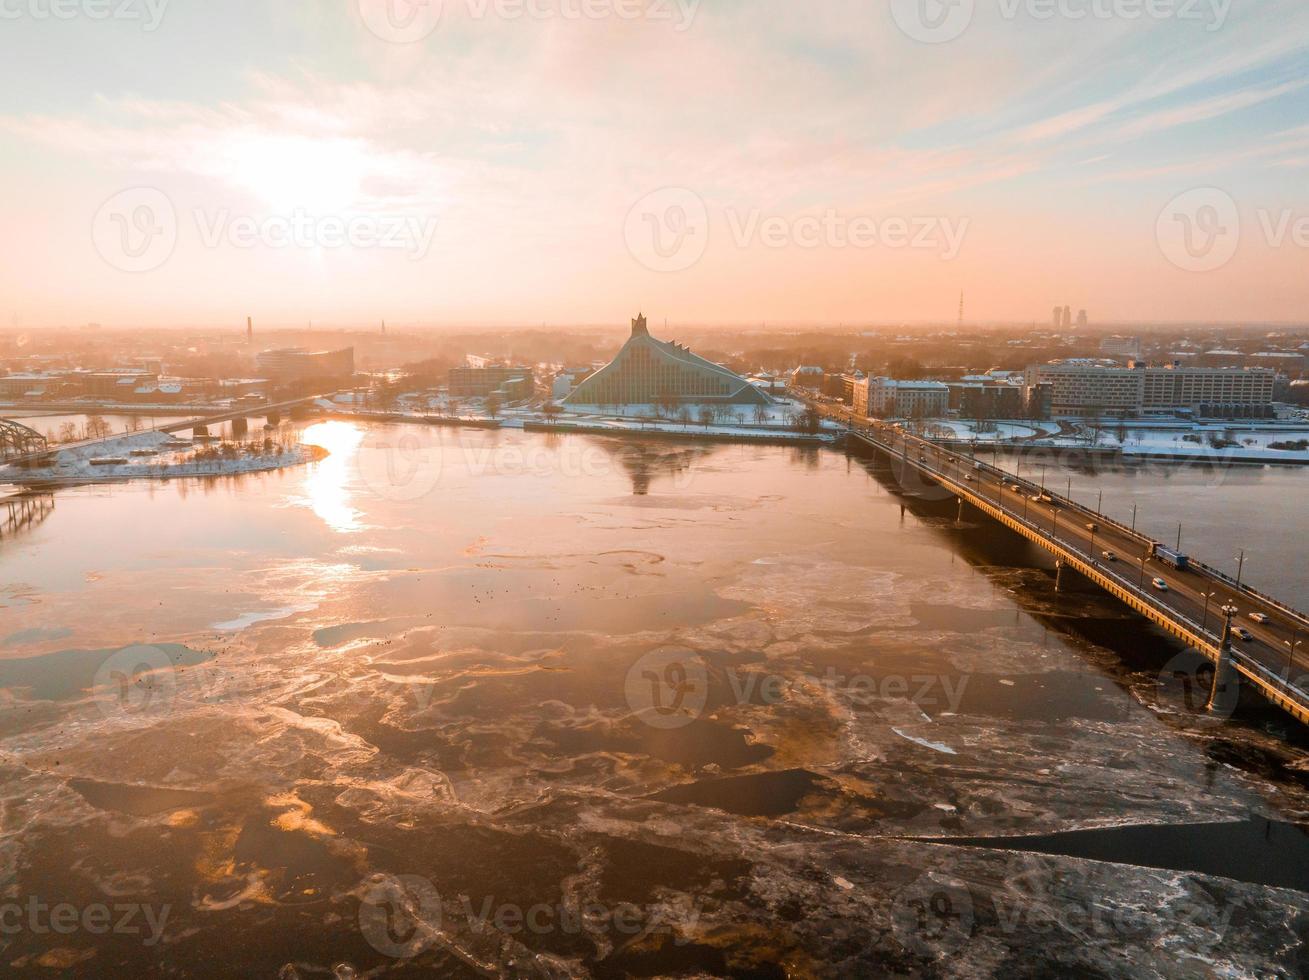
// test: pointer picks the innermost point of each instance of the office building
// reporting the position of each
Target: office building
(1086, 387)
(293, 363)
(480, 379)
(888, 398)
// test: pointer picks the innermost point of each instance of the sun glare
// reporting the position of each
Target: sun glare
(290, 172)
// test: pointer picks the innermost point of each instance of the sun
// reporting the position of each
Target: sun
(317, 175)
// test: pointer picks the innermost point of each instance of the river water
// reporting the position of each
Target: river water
(1222, 511)
(465, 703)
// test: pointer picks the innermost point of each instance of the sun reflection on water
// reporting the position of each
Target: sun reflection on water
(327, 489)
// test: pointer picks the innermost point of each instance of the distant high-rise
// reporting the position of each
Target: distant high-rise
(1081, 320)
(1057, 319)
(1068, 318)
(249, 330)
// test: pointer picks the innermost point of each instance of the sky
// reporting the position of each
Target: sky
(707, 161)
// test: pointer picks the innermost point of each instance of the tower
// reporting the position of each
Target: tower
(249, 330)
(1068, 317)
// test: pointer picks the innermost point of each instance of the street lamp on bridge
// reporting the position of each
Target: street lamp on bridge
(1204, 622)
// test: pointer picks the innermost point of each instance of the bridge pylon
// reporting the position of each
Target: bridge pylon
(1223, 673)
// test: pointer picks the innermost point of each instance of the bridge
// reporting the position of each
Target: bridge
(34, 454)
(1199, 605)
(18, 440)
(271, 412)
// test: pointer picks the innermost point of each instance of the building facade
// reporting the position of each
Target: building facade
(289, 363)
(1093, 388)
(482, 381)
(647, 371)
(886, 398)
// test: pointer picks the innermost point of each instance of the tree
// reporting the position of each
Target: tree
(706, 415)
(493, 405)
(551, 411)
(683, 414)
(760, 414)
(809, 421)
(96, 427)
(68, 432)
(666, 403)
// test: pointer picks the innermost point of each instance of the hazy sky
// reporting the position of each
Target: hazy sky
(730, 160)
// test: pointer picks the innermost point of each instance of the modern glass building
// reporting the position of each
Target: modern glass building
(647, 371)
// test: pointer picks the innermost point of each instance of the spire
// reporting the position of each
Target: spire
(639, 328)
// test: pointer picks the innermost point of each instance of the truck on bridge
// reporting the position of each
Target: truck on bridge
(1174, 559)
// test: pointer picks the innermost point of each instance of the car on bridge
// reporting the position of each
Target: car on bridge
(1109, 556)
(1259, 617)
(1160, 584)
(1244, 634)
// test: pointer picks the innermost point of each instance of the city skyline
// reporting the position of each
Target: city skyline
(505, 164)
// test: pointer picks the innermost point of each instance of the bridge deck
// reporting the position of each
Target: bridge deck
(1190, 605)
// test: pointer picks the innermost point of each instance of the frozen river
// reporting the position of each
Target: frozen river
(462, 703)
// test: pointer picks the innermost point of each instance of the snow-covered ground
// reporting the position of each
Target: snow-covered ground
(74, 465)
(1201, 440)
(988, 432)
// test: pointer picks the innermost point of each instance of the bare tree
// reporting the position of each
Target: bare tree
(493, 405)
